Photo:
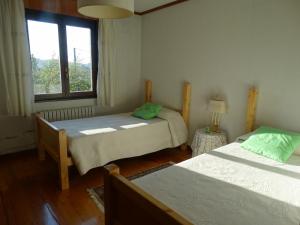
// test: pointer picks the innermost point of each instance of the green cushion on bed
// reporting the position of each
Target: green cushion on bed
(147, 111)
(273, 143)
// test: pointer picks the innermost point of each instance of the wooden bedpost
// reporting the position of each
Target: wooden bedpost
(41, 150)
(108, 195)
(251, 111)
(186, 98)
(55, 143)
(148, 91)
(63, 160)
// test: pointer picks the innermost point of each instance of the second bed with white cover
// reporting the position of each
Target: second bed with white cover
(230, 186)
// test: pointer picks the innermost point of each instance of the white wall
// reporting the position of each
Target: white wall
(223, 47)
(17, 133)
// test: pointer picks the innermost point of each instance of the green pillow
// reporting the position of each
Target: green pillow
(147, 111)
(273, 143)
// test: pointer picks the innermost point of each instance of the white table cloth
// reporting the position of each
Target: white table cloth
(204, 141)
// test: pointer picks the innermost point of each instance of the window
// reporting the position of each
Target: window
(64, 56)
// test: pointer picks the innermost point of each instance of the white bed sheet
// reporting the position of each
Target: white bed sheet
(230, 186)
(96, 141)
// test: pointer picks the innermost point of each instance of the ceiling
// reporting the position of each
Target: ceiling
(142, 6)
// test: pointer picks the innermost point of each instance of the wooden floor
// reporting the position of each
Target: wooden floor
(29, 192)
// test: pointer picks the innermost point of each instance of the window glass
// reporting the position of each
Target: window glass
(45, 57)
(79, 58)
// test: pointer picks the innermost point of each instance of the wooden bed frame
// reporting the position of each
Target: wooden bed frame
(55, 142)
(127, 204)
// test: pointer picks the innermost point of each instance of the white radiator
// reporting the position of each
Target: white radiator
(69, 113)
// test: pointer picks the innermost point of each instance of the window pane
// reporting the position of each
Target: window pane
(80, 58)
(45, 57)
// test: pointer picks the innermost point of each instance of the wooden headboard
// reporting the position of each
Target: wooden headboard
(186, 99)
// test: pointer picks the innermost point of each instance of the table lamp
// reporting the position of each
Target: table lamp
(217, 107)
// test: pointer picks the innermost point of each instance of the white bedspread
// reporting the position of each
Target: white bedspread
(230, 186)
(96, 141)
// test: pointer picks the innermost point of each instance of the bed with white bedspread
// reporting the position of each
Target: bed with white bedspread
(230, 186)
(95, 141)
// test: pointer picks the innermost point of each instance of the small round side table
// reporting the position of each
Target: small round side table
(206, 141)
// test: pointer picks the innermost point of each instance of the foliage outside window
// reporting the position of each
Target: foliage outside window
(63, 54)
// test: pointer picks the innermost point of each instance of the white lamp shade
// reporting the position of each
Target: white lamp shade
(106, 9)
(217, 106)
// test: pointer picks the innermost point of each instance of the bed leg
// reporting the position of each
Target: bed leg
(63, 160)
(64, 176)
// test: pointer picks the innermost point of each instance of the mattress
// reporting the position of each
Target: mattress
(96, 141)
(230, 186)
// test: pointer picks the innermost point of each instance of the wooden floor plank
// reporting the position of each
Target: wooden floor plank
(3, 217)
(29, 193)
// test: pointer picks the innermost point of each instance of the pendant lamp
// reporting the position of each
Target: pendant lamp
(106, 9)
